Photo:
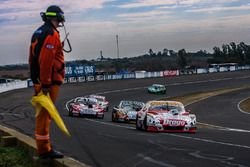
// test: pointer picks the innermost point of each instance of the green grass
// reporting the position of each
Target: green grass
(14, 157)
(245, 105)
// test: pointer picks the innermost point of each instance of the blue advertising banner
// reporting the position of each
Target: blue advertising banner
(76, 70)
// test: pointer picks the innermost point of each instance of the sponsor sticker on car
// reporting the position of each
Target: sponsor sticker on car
(173, 122)
(88, 111)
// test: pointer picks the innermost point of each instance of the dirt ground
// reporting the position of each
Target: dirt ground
(16, 74)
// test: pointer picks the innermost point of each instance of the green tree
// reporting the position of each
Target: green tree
(150, 52)
(159, 54)
(181, 58)
(165, 52)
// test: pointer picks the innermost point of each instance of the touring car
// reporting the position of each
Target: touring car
(82, 106)
(157, 89)
(165, 116)
(126, 111)
(101, 101)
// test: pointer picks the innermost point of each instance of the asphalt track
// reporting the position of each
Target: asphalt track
(102, 143)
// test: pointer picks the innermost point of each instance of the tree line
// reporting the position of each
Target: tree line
(167, 59)
(231, 53)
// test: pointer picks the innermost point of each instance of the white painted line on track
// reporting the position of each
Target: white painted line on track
(224, 79)
(11, 114)
(110, 124)
(173, 84)
(121, 90)
(176, 135)
(225, 128)
(154, 161)
(182, 136)
(238, 105)
(204, 98)
(243, 77)
(208, 140)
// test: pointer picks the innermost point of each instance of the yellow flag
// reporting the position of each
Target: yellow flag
(45, 101)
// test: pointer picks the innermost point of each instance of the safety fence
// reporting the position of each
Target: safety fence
(4, 87)
(134, 75)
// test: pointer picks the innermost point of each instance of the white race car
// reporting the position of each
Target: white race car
(165, 116)
(82, 106)
(101, 101)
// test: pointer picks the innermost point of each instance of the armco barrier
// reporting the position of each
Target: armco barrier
(90, 78)
(113, 77)
(13, 85)
(140, 74)
(212, 70)
(202, 70)
(129, 76)
(81, 79)
(99, 77)
(136, 75)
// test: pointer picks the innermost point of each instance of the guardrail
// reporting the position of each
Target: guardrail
(13, 85)
(134, 75)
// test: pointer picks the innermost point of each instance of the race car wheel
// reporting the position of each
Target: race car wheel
(70, 112)
(113, 118)
(101, 117)
(145, 123)
(107, 109)
(137, 123)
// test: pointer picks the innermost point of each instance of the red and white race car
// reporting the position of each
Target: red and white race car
(101, 101)
(165, 116)
(82, 106)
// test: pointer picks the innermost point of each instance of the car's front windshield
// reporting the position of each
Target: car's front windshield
(167, 107)
(99, 99)
(86, 101)
(136, 105)
(125, 104)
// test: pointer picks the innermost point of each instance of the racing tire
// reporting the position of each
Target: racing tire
(137, 126)
(107, 109)
(101, 117)
(145, 123)
(113, 118)
(70, 112)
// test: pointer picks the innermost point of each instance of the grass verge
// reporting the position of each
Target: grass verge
(14, 157)
(245, 105)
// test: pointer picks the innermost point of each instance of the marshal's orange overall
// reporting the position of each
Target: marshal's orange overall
(46, 62)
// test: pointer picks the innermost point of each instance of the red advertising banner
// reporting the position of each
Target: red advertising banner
(169, 73)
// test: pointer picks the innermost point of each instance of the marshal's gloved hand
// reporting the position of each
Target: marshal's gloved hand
(45, 90)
